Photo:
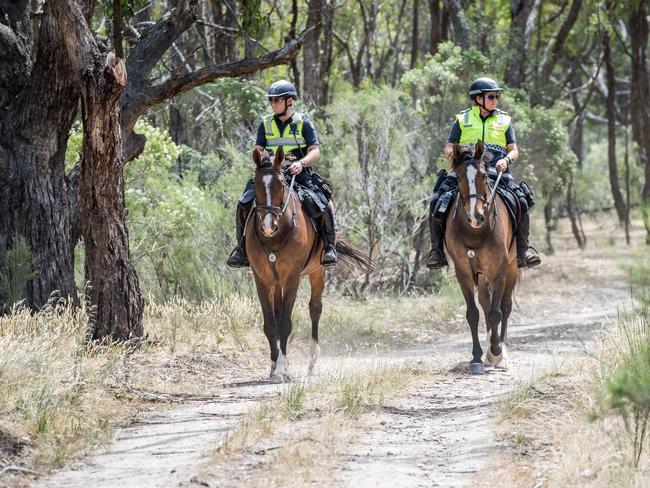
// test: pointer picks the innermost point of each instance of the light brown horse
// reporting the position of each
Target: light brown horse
(480, 241)
(282, 246)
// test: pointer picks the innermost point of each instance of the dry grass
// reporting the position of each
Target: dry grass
(59, 395)
(560, 430)
(384, 321)
(305, 428)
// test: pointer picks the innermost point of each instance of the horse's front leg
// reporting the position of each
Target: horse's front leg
(317, 282)
(284, 301)
(493, 318)
(472, 315)
(506, 308)
(265, 295)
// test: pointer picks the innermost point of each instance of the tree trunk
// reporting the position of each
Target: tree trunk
(521, 13)
(114, 287)
(640, 101)
(458, 22)
(435, 32)
(295, 71)
(117, 28)
(327, 59)
(577, 147)
(619, 203)
(311, 53)
(415, 35)
(574, 217)
(113, 296)
(548, 222)
(37, 201)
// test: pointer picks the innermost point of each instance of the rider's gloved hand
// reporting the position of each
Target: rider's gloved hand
(502, 165)
(295, 168)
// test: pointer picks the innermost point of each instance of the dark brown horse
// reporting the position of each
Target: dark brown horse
(481, 243)
(283, 246)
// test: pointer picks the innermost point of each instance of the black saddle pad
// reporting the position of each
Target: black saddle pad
(512, 205)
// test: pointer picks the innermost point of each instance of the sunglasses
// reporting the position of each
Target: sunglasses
(492, 97)
(275, 100)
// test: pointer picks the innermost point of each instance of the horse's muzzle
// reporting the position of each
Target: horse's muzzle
(270, 231)
(476, 222)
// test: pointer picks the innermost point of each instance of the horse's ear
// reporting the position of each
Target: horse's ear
(257, 157)
(279, 157)
(479, 149)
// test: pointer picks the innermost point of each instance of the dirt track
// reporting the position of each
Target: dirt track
(441, 433)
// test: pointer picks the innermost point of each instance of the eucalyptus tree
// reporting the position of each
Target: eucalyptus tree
(54, 60)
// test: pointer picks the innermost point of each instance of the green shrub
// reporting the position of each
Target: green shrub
(628, 382)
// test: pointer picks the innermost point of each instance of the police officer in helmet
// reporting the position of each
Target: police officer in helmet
(483, 121)
(297, 135)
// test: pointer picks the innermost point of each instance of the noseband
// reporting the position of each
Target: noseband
(275, 210)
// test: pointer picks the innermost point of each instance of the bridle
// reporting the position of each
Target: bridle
(486, 201)
(286, 196)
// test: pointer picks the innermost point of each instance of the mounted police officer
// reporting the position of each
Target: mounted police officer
(297, 136)
(483, 121)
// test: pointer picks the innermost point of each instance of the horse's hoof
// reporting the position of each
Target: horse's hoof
(503, 365)
(272, 369)
(476, 368)
(280, 378)
(493, 360)
(312, 368)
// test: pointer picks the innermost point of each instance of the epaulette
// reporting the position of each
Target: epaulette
(466, 110)
(501, 111)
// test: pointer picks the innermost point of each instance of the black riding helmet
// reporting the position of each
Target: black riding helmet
(482, 85)
(282, 88)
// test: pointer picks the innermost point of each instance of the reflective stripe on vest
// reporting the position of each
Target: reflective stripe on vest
(492, 133)
(287, 140)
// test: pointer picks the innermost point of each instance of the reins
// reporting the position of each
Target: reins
(494, 190)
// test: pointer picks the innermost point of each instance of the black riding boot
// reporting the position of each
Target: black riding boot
(237, 258)
(527, 256)
(329, 233)
(436, 258)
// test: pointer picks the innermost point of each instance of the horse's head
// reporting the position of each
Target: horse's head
(472, 182)
(269, 190)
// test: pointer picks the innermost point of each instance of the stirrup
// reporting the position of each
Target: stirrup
(436, 259)
(328, 258)
(237, 258)
(529, 259)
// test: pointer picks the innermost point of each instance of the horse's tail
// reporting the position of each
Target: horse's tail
(350, 256)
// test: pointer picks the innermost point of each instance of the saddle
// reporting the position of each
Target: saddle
(510, 200)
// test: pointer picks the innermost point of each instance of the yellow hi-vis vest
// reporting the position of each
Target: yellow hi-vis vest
(492, 131)
(291, 139)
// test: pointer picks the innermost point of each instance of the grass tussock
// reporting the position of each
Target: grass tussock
(59, 394)
(586, 422)
(305, 428)
(628, 380)
(343, 396)
(52, 383)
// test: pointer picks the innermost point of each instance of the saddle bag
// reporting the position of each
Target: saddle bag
(312, 203)
(442, 174)
(444, 202)
(322, 184)
(528, 194)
